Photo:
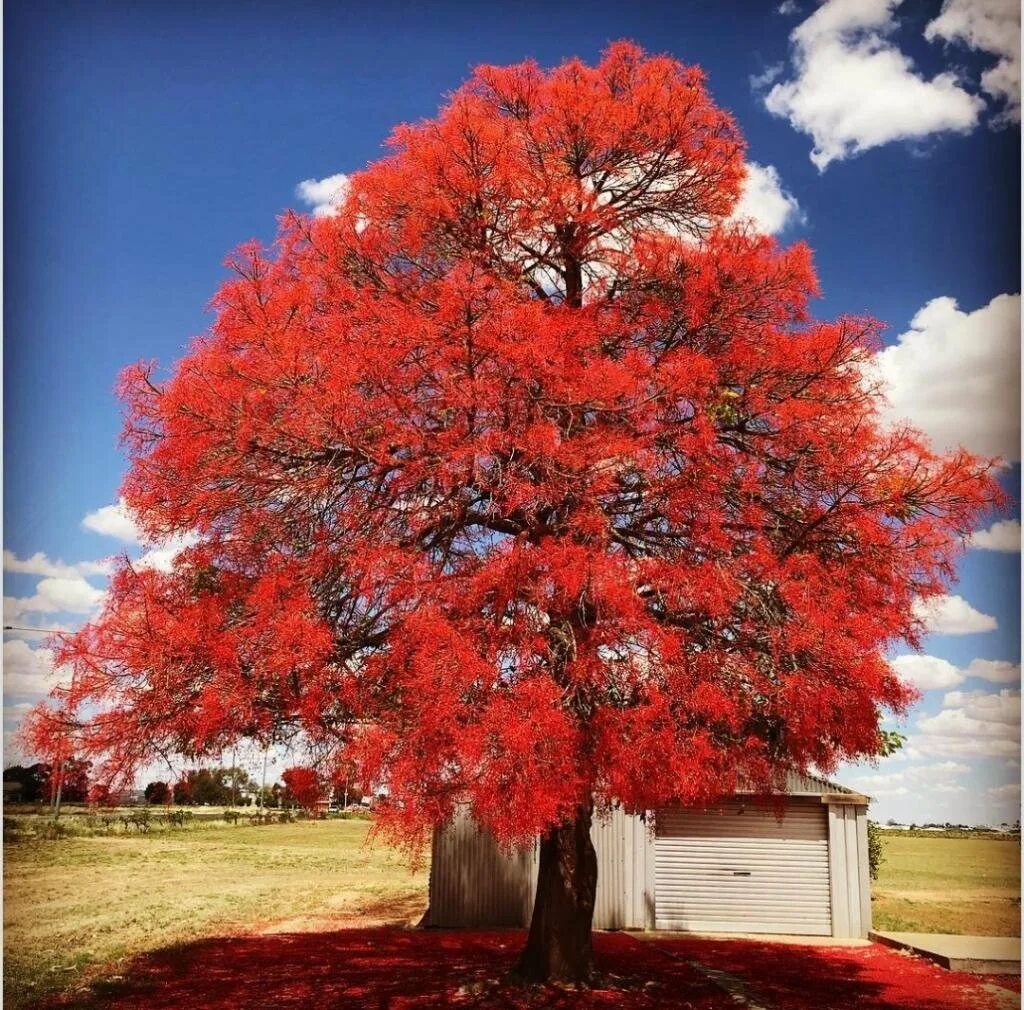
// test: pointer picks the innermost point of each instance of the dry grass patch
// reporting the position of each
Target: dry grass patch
(75, 905)
(948, 885)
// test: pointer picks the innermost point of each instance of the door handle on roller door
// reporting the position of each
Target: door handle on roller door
(741, 873)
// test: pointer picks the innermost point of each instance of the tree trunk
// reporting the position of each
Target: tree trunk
(559, 947)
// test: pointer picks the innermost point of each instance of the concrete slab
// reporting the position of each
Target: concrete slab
(798, 940)
(979, 955)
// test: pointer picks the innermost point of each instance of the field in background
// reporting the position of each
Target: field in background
(948, 885)
(22, 823)
(77, 904)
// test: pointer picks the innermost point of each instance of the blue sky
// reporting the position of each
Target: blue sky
(144, 141)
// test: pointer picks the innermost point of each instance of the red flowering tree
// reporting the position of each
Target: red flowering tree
(303, 787)
(531, 465)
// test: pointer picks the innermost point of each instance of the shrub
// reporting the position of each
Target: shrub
(875, 854)
(52, 830)
(139, 819)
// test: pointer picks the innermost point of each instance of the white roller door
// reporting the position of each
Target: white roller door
(738, 869)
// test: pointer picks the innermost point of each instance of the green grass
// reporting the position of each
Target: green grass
(948, 885)
(74, 908)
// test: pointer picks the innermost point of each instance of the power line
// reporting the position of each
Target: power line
(43, 631)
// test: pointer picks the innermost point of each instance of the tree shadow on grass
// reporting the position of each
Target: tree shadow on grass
(407, 969)
(389, 969)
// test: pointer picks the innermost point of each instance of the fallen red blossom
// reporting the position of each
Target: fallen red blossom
(395, 969)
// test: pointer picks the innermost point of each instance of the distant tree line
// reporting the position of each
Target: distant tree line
(226, 787)
(231, 786)
(38, 783)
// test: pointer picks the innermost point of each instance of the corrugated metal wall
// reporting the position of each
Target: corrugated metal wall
(625, 872)
(474, 882)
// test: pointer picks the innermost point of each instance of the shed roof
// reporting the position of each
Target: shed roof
(808, 784)
(800, 784)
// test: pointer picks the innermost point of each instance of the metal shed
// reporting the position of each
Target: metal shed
(732, 868)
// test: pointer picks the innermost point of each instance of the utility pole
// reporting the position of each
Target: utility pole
(60, 788)
(55, 802)
(263, 781)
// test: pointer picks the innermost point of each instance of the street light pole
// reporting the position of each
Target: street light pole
(55, 804)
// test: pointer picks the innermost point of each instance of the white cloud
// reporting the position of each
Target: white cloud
(956, 723)
(953, 615)
(993, 27)
(162, 558)
(71, 595)
(1003, 535)
(323, 195)
(852, 89)
(972, 724)
(996, 671)
(769, 75)
(927, 673)
(28, 673)
(764, 203)
(114, 521)
(1008, 792)
(788, 7)
(931, 673)
(937, 744)
(955, 375)
(939, 777)
(986, 706)
(40, 564)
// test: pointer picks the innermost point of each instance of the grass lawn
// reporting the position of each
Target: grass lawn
(77, 905)
(948, 885)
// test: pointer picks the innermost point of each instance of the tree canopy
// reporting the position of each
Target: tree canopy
(525, 480)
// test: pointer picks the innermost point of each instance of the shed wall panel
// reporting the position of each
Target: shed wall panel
(621, 842)
(850, 884)
(841, 925)
(474, 882)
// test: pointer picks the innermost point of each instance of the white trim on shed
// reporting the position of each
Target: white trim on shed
(735, 867)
